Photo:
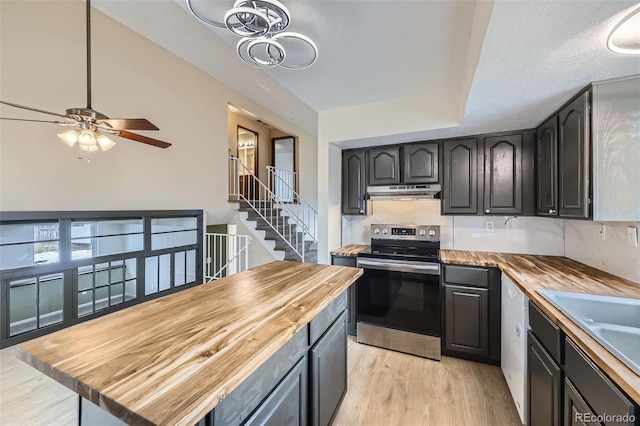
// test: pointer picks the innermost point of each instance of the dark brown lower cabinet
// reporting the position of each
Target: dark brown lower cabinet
(576, 411)
(328, 372)
(467, 319)
(544, 379)
(286, 405)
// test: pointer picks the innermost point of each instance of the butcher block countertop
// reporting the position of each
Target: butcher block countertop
(531, 273)
(171, 360)
(351, 250)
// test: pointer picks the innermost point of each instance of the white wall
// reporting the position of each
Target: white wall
(614, 255)
(43, 65)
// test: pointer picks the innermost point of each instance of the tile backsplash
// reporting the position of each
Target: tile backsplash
(614, 255)
(575, 239)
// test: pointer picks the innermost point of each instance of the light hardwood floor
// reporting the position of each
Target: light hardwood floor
(386, 388)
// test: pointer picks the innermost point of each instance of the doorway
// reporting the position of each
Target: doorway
(248, 154)
(284, 163)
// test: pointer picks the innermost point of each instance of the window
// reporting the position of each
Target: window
(28, 244)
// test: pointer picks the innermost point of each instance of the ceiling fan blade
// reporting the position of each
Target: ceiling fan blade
(38, 121)
(144, 139)
(32, 109)
(130, 123)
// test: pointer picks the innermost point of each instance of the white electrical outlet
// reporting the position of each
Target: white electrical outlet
(488, 226)
(632, 236)
(603, 232)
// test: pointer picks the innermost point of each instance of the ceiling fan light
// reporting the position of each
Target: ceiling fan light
(70, 137)
(105, 143)
(87, 138)
(89, 148)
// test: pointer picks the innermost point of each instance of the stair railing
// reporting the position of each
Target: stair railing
(226, 254)
(283, 184)
(244, 186)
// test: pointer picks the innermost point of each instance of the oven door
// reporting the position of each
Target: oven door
(400, 295)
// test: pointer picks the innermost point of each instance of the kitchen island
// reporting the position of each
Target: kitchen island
(173, 360)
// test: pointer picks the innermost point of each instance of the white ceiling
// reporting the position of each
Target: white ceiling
(534, 56)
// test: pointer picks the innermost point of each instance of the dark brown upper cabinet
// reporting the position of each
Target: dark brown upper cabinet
(503, 174)
(460, 180)
(384, 165)
(574, 160)
(420, 161)
(354, 185)
(547, 168)
(563, 161)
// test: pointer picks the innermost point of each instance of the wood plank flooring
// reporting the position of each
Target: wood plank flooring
(385, 389)
(390, 388)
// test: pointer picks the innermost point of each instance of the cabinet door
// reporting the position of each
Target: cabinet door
(503, 174)
(287, 404)
(544, 383)
(384, 165)
(576, 410)
(574, 162)
(328, 359)
(547, 168)
(354, 183)
(467, 320)
(460, 180)
(420, 162)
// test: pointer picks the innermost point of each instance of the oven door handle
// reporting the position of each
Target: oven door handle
(415, 268)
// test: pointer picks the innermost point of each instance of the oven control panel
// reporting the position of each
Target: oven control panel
(406, 232)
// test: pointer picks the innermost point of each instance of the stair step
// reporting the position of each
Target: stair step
(309, 257)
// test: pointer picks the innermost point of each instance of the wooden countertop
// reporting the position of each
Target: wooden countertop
(531, 273)
(351, 250)
(171, 360)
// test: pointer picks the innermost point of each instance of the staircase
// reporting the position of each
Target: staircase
(292, 226)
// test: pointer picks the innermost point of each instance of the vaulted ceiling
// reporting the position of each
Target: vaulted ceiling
(395, 71)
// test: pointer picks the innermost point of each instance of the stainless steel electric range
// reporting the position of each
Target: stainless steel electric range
(398, 297)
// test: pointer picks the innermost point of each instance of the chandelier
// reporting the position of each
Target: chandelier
(261, 24)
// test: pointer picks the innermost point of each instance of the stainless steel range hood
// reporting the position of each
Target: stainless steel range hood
(404, 192)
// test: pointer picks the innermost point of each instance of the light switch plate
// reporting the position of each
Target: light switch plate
(632, 236)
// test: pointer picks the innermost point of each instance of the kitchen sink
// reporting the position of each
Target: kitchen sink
(613, 321)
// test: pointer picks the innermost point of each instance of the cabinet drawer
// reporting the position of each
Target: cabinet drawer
(320, 323)
(600, 393)
(466, 275)
(343, 260)
(547, 332)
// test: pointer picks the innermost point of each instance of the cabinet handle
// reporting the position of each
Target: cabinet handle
(486, 211)
(361, 211)
(552, 211)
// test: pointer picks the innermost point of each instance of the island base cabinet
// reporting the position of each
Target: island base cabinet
(328, 371)
(287, 404)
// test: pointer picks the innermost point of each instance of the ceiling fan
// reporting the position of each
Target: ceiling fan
(90, 128)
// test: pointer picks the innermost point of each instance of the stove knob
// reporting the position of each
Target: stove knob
(376, 231)
(432, 232)
(423, 232)
(385, 231)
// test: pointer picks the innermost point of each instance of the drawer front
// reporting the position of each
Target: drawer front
(343, 260)
(466, 275)
(240, 403)
(547, 332)
(320, 323)
(602, 395)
